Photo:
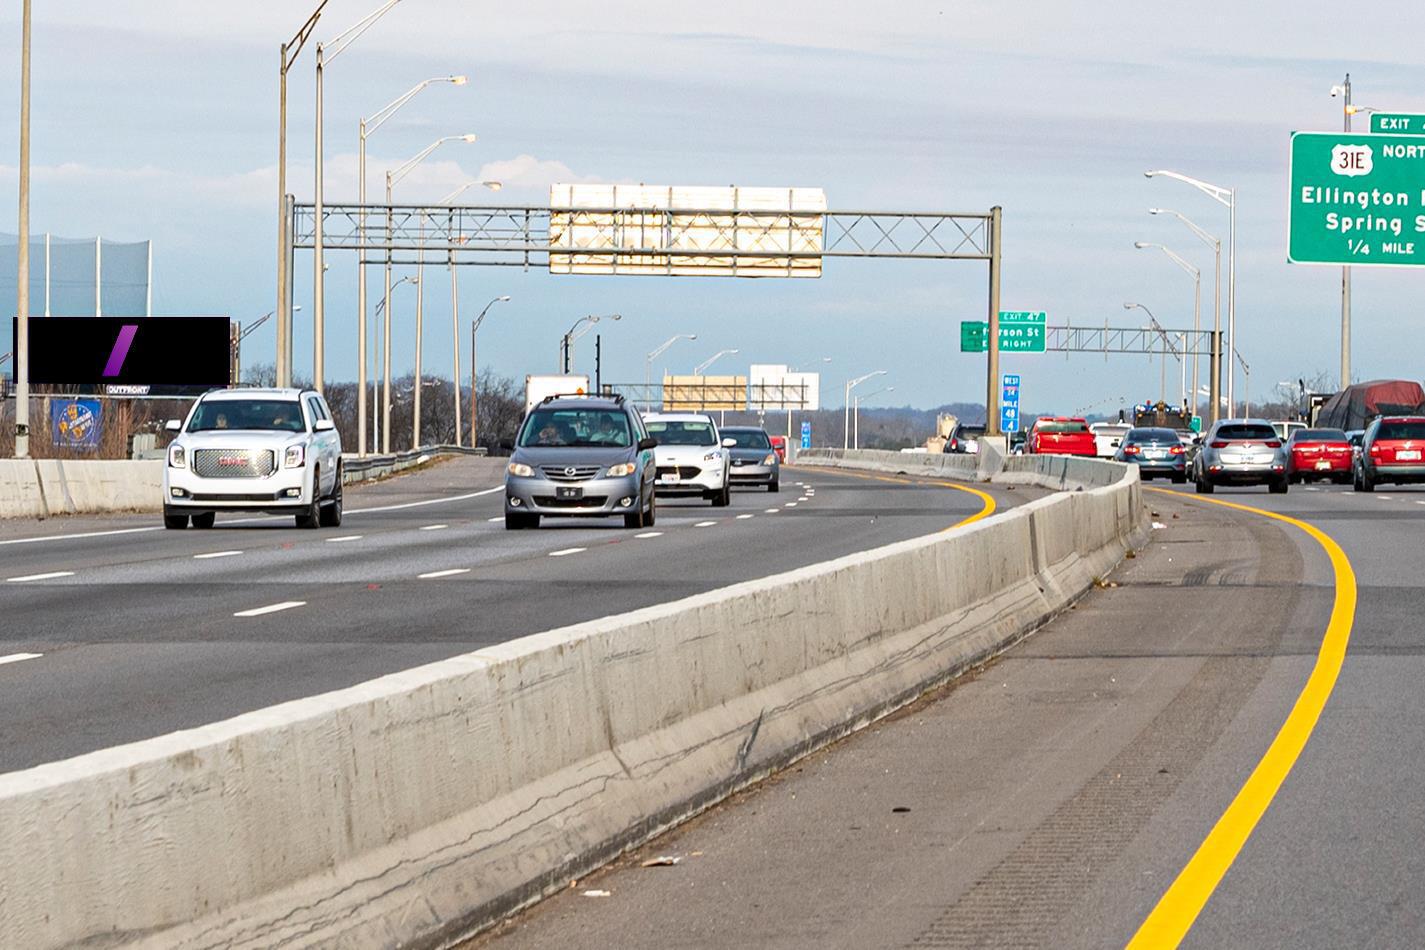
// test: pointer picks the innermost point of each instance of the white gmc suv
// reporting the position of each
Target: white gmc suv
(270, 450)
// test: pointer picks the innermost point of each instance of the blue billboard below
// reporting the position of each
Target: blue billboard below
(75, 423)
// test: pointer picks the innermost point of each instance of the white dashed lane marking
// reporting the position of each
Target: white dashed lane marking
(449, 572)
(650, 534)
(745, 517)
(772, 511)
(213, 554)
(704, 524)
(434, 527)
(496, 518)
(17, 657)
(39, 577)
(567, 551)
(347, 537)
(271, 608)
(790, 504)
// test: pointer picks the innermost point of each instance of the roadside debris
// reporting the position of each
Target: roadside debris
(662, 861)
(596, 894)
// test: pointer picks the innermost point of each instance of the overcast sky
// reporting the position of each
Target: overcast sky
(158, 120)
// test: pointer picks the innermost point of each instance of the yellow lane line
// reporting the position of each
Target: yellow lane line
(1180, 905)
(987, 501)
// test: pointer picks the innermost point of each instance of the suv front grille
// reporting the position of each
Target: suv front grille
(233, 463)
(684, 471)
(569, 473)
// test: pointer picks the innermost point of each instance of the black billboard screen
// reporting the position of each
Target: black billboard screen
(191, 353)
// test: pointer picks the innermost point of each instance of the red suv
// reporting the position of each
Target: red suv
(1392, 450)
(1061, 435)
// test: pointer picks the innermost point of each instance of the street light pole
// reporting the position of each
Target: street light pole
(22, 273)
(1215, 410)
(1196, 303)
(856, 414)
(289, 53)
(455, 306)
(1228, 197)
(1345, 90)
(474, 367)
(648, 365)
(846, 422)
(581, 326)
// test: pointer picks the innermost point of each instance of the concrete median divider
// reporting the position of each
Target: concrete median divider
(419, 807)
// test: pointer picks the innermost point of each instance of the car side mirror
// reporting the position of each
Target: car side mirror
(647, 443)
(173, 425)
(729, 443)
(324, 425)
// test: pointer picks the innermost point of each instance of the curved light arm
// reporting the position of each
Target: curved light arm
(1202, 235)
(883, 389)
(713, 359)
(861, 379)
(1245, 368)
(1157, 327)
(1217, 193)
(481, 318)
(1196, 274)
(492, 185)
(388, 110)
(662, 349)
(822, 359)
(334, 47)
(404, 170)
(381, 304)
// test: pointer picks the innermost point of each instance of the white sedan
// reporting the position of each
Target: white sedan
(691, 458)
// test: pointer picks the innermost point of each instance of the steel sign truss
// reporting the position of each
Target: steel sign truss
(537, 236)
(1145, 340)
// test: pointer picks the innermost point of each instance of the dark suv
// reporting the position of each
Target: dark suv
(581, 457)
(1392, 450)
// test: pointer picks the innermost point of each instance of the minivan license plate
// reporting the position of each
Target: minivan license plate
(571, 492)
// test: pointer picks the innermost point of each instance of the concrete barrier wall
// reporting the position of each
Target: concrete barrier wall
(412, 809)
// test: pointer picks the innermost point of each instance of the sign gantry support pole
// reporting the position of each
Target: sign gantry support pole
(22, 310)
(992, 426)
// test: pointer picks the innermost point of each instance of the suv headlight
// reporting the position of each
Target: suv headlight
(771, 459)
(294, 457)
(177, 457)
(520, 470)
(712, 456)
(619, 471)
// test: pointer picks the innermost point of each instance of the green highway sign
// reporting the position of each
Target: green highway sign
(1020, 331)
(972, 336)
(1356, 199)
(1398, 123)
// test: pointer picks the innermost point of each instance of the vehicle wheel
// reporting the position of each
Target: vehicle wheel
(175, 522)
(773, 486)
(652, 509)
(1204, 487)
(1364, 482)
(311, 516)
(1280, 486)
(721, 499)
(205, 520)
(331, 511)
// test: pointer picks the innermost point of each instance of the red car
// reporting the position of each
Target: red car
(1061, 435)
(1319, 453)
(1393, 451)
(779, 445)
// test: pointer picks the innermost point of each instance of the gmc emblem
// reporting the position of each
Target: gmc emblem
(230, 461)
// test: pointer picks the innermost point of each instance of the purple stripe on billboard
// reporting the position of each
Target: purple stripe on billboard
(121, 349)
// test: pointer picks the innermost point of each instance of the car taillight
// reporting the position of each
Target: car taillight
(1130, 450)
(1274, 444)
(1375, 449)
(1219, 444)
(1176, 450)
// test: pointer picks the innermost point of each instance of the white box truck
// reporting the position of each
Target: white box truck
(538, 388)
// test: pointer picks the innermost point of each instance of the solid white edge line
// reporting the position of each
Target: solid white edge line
(659, 534)
(448, 572)
(81, 535)
(213, 554)
(567, 551)
(17, 657)
(345, 537)
(39, 577)
(271, 608)
(434, 527)
(428, 501)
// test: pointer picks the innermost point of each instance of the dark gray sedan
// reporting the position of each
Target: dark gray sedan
(754, 461)
(1155, 452)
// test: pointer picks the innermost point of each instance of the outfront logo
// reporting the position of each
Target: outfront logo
(120, 352)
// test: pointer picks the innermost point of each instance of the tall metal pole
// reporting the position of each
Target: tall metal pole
(1346, 278)
(1214, 411)
(283, 316)
(474, 420)
(420, 315)
(361, 295)
(386, 335)
(22, 274)
(992, 383)
(455, 343)
(846, 420)
(318, 264)
(1231, 301)
(1214, 372)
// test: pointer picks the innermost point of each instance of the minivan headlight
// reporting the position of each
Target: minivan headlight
(619, 471)
(520, 470)
(771, 459)
(294, 457)
(177, 457)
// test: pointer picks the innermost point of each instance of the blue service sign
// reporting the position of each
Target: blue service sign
(806, 435)
(1011, 379)
(74, 423)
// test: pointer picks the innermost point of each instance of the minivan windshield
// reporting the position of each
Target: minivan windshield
(1063, 428)
(275, 415)
(681, 431)
(748, 438)
(550, 427)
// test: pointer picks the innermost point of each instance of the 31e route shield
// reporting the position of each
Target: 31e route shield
(1357, 199)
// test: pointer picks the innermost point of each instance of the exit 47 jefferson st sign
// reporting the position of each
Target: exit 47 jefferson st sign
(1357, 199)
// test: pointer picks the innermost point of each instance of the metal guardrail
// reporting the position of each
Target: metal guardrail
(357, 469)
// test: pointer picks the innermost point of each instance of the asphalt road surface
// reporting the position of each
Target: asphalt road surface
(113, 629)
(1052, 799)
